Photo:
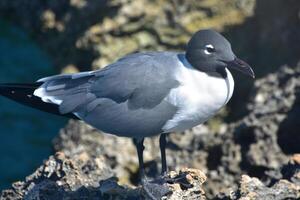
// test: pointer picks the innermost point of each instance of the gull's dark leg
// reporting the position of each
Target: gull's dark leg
(139, 144)
(162, 145)
(179, 179)
(153, 190)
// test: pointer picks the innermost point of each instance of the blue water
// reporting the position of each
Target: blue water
(25, 133)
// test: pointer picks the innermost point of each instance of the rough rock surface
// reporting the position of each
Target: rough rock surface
(84, 177)
(285, 186)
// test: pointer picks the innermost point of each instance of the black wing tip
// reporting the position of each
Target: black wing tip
(23, 94)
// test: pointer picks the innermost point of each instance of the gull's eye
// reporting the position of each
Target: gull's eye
(209, 49)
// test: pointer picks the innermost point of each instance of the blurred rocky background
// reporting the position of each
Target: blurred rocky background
(249, 151)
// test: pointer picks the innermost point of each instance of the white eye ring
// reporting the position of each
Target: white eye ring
(209, 49)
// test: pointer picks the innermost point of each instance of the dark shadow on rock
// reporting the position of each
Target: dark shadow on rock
(289, 129)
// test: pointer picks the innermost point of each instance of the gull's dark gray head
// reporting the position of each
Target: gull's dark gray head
(209, 51)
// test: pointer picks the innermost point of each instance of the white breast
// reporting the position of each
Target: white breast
(198, 97)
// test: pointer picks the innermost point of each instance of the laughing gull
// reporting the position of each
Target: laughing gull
(143, 94)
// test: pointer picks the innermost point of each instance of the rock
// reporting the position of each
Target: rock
(283, 187)
(252, 188)
(60, 176)
(289, 171)
(195, 177)
(268, 132)
(85, 177)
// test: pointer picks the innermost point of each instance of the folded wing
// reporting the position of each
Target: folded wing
(142, 79)
(127, 96)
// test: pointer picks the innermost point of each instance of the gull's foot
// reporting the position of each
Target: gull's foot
(155, 189)
(181, 179)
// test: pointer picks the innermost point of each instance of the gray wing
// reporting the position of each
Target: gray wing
(126, 96)
(144, 79)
